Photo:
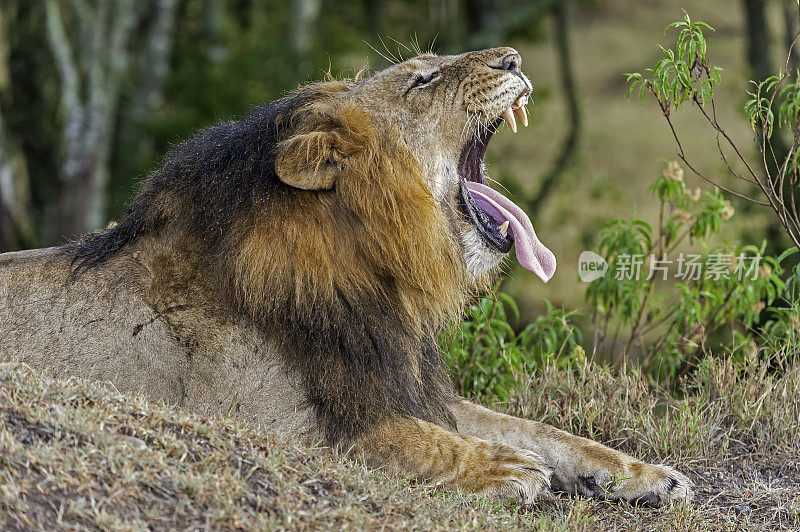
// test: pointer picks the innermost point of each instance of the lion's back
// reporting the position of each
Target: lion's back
(131, 322)
(76, 328)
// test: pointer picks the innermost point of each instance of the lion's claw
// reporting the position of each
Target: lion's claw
(644, 485)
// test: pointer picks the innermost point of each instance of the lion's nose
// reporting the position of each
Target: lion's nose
(511, 62)
(502, 59)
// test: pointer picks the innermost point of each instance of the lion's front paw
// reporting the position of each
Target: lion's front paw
(507, 472)
(629, 480)
(653, 485)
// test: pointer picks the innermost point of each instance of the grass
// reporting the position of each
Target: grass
(80, 455)
(734, 430)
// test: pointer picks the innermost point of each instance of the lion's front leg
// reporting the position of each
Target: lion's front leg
(426, 451)
(579, 465)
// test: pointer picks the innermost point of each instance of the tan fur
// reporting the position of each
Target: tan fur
(579, 465)
(387, 206)
(424, 450)
(370, 214)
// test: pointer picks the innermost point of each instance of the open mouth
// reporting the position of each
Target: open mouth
(499, 221)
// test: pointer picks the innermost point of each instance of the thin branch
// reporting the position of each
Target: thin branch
(728, 166)
(784, 75)
(665, 112)
(719, 129)
(569, 145)
(656, 324)
(789, 155)
(729, 191)
(679, 240)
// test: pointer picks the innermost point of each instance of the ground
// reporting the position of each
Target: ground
(82, 456)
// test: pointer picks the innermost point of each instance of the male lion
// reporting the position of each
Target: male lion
(295, 267)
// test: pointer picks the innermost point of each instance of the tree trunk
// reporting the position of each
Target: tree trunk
(757, 39)
(304, 19)
(483, 25)
(213, 22)
(90, 84)
(16, 226)
(156, 60)
(791, 26)
(154, 67)
(374, 10)
(759, 59)
(570, 93)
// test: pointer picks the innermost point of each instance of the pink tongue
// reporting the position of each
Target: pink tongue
(531, 253)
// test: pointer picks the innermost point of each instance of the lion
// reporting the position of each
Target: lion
(294, 268)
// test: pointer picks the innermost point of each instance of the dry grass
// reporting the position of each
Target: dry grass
(735, 431)
(80, 455)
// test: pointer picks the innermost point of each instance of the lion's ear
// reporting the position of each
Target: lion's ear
(310, 161)
(315, 157)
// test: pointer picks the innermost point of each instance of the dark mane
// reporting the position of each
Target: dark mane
(208, 173)
(345, 324)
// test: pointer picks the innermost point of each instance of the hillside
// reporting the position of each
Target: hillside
(76, 455)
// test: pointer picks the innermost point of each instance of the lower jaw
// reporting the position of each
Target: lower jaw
(488, 231)
(483, 260)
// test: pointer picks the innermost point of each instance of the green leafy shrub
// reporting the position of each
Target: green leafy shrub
(721, 291)
(684, 75)
(729, 298)
(735, 298)
(485, 354)
(780, 326)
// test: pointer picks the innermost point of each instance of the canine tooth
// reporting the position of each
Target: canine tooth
(504, 228)
(522, 114)
(508, 116)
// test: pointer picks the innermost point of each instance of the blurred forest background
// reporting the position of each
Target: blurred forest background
(93, 93)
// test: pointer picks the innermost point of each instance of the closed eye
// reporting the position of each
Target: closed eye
(423, 79)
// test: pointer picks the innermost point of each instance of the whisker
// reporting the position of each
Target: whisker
(475, 125)
(399, 44)
(467, 127)
(395, 60)
(496, 182)
(431, 48)
(380, 53)
(486, 118)
(415, 44)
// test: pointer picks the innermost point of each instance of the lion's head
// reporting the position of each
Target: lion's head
(350, 221)
(443, 110)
